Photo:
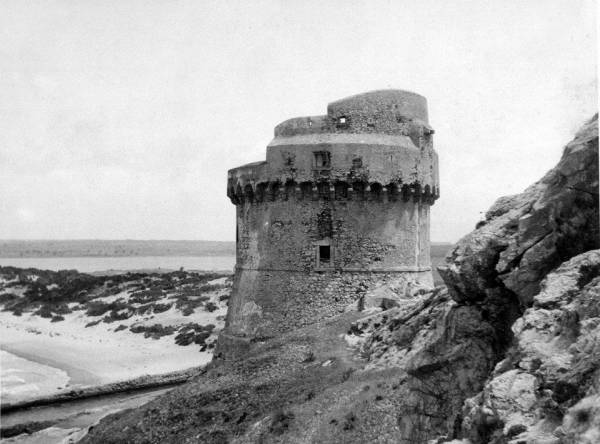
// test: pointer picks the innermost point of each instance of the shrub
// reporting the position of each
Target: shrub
(210, 306)
(8, 297)
(210, 287)
(57, 318)
(155, 331)
(44, 311)
(143, 309)
(159, 308)
(194, 333)
(98, 308)
(145, 296)
(117, 316)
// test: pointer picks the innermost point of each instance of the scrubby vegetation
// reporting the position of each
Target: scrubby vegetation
(155, 331)
(197, 334)
(133, 297)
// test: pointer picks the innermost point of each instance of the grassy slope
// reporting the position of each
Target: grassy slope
(303, 386)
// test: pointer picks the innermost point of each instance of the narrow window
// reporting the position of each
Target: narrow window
(342, 122)
(324, 255)
(322, 159)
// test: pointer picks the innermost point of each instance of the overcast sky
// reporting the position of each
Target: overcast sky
(120, 119)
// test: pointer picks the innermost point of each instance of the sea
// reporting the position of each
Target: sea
(99, 264)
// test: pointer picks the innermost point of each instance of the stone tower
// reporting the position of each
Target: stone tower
(341, 203)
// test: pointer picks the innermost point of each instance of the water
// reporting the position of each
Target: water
(21, 379)
(91, 264)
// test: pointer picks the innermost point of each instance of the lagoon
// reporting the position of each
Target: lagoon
(94, 264)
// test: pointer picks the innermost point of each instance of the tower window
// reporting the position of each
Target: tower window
(322, 159)
(342, 122)
(324, 256)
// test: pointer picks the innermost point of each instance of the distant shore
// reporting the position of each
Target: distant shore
(108, 265)
(113, 248)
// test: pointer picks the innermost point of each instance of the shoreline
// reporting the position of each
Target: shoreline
(130, 386)
(77, 376)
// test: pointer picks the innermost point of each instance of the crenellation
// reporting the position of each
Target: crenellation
(341, 202)
(333, 190)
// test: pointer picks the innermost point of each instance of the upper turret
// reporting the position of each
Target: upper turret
(380, 137)
(389, 111)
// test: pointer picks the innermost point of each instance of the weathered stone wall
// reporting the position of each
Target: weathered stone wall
(356, 184)
(365, 235)
(279, 284)
(270, 302)
(391, 161)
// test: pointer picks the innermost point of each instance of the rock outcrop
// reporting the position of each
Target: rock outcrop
(527, 235)
(509, 352)
(523, 238)
(553, 365)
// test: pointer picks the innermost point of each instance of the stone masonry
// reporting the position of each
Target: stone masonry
(341, 204)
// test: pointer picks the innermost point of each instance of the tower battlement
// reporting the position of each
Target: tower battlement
(340, 204)
(373, 141)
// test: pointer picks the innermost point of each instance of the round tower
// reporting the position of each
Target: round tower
(340, 204)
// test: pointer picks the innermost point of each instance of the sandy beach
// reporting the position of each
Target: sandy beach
(41, 358)
(61, 357)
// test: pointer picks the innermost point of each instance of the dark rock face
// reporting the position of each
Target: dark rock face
(527, 235)
(509, 352)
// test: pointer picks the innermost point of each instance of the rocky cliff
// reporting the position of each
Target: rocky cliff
(508, 351)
